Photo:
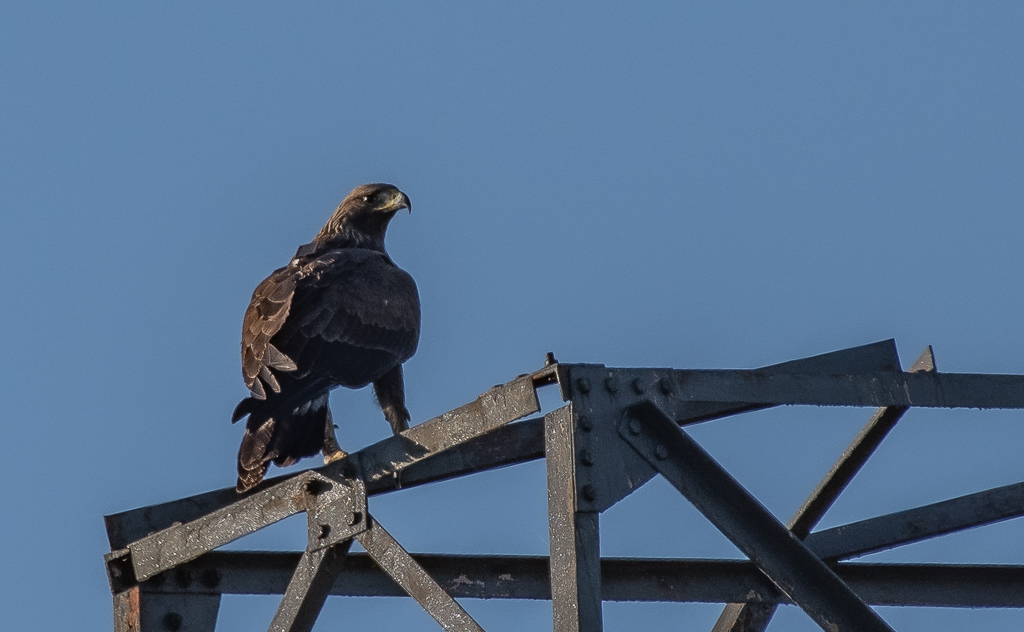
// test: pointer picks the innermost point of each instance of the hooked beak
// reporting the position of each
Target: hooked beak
(400, 201)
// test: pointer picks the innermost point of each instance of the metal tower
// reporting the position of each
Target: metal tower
(619, 429)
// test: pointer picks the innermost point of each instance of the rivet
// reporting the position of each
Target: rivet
(586, 457)
(172, 621)
(634, 426)
(586, 423)
(183, 577)
(638, 386)
(583, 384)
(661, 452)
(210, 577)
(665, 385)
(611, 385)
(589, 493)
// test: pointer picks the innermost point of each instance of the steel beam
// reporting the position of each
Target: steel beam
(308, 588)
(755, 617)
(912, 525)
(794, 570)
(575, 542)
(889, 388)
(416, 582)
(139, 611)
(623, 579)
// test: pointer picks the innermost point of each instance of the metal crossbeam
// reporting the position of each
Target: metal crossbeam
(623, 579)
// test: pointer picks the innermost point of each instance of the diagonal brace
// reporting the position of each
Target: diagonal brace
(794, 570)
(414, 580)
(751, 617)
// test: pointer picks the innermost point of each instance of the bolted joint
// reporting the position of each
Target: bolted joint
(589, 492)
(586, 423)
(583, 385)
(586, 457)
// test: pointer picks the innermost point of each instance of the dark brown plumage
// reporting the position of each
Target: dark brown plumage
(341, 313)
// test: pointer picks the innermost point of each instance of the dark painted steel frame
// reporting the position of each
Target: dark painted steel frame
(164, 574)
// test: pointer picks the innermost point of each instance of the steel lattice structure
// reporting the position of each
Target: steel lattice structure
(619, 429)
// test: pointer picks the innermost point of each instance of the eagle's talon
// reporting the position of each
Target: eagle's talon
(337, 455)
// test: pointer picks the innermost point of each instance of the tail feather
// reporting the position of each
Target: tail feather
(281, 438)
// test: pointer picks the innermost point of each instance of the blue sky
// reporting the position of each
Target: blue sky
(702, 185)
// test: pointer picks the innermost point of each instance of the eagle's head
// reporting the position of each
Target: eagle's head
(362, 217)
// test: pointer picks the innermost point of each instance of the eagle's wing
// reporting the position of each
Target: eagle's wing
(267, 312)
(346, 316)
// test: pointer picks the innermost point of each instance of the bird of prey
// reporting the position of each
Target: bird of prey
(341, 313)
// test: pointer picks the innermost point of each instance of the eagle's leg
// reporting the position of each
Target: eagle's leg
(332, 451)
(390, 392)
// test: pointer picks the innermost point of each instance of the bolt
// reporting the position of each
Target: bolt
(661, 452)
(586, 423)
(665, 385)
(354, 517)
(172, 621)
(638, 386)
(583, 384)
(210, 577)
(634, 426)
(549, 359)
(589, 493)
(183, 577)
(586, 457)
(325, 530)
(611, 385)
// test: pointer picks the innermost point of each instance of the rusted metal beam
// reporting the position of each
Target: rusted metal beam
(794, 570)
(929, 390)
(575, 542)
(308, 588)
(913, 525)
(414, 580)
(623, 579)
(755, 617)
(136, 610)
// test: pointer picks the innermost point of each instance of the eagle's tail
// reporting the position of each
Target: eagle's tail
(283, 438)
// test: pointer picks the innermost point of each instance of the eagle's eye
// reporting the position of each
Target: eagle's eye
(366, 198)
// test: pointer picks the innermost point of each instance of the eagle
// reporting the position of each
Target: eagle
(341, 313)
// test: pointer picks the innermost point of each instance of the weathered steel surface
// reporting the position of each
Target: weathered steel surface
(912, 525)
(755, 617)
(623, 579)
(878, 356)
(181, 543)
(575, 541)
(308, 588)
(496, 407)
(930, 390)
(138, 611)
(510, 444)
(416, 582)
(794, 570)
